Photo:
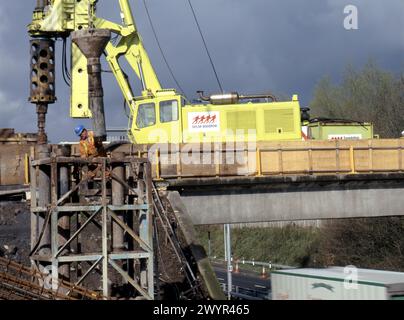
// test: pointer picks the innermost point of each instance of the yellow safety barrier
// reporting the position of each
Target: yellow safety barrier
(259, 166)
(352, 159)
(280, 158)
(158, 177)
(26, 169)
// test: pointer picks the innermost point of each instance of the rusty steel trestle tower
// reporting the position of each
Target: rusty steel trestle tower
(97, 227)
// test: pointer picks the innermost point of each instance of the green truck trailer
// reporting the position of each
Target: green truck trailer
(327, 129)
(337, 283)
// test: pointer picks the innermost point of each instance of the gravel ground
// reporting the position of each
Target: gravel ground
(15, 231)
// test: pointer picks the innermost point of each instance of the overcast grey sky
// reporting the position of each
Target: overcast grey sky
(285, 46)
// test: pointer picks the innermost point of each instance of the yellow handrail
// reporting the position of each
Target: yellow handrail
(259, 167)
(26, 169)
(352, 159)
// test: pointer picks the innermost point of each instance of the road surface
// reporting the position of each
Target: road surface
(245, 282)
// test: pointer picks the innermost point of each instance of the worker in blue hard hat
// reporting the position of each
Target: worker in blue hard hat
(79, 129)
(89, 148)
(87, 145)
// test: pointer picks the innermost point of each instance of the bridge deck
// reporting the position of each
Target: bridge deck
(273, 198)
(278, 181)
(286, 158)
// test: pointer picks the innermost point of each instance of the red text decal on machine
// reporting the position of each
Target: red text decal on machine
(344, 137)
(203, 121)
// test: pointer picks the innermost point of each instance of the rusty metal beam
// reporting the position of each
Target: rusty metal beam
(118, 199)
(126, 276)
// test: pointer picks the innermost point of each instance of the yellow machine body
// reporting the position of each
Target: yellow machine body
(168, 119)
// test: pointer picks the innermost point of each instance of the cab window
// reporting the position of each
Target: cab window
(146, 115)
(168, 111)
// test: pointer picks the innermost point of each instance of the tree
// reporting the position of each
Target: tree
(375, 243)
(369, 95)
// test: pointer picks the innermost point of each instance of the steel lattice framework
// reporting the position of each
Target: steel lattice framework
(113, 194)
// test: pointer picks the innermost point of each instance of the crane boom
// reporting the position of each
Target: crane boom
(158, 115)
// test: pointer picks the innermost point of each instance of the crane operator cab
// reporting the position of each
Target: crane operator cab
(157, 120)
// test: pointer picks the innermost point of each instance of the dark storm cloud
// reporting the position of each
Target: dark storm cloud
(257, 45)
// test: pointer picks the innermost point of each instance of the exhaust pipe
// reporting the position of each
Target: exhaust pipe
(232, 98)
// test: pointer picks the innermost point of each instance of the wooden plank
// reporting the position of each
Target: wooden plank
(11, 192)
(282, 157)
(325, 161)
